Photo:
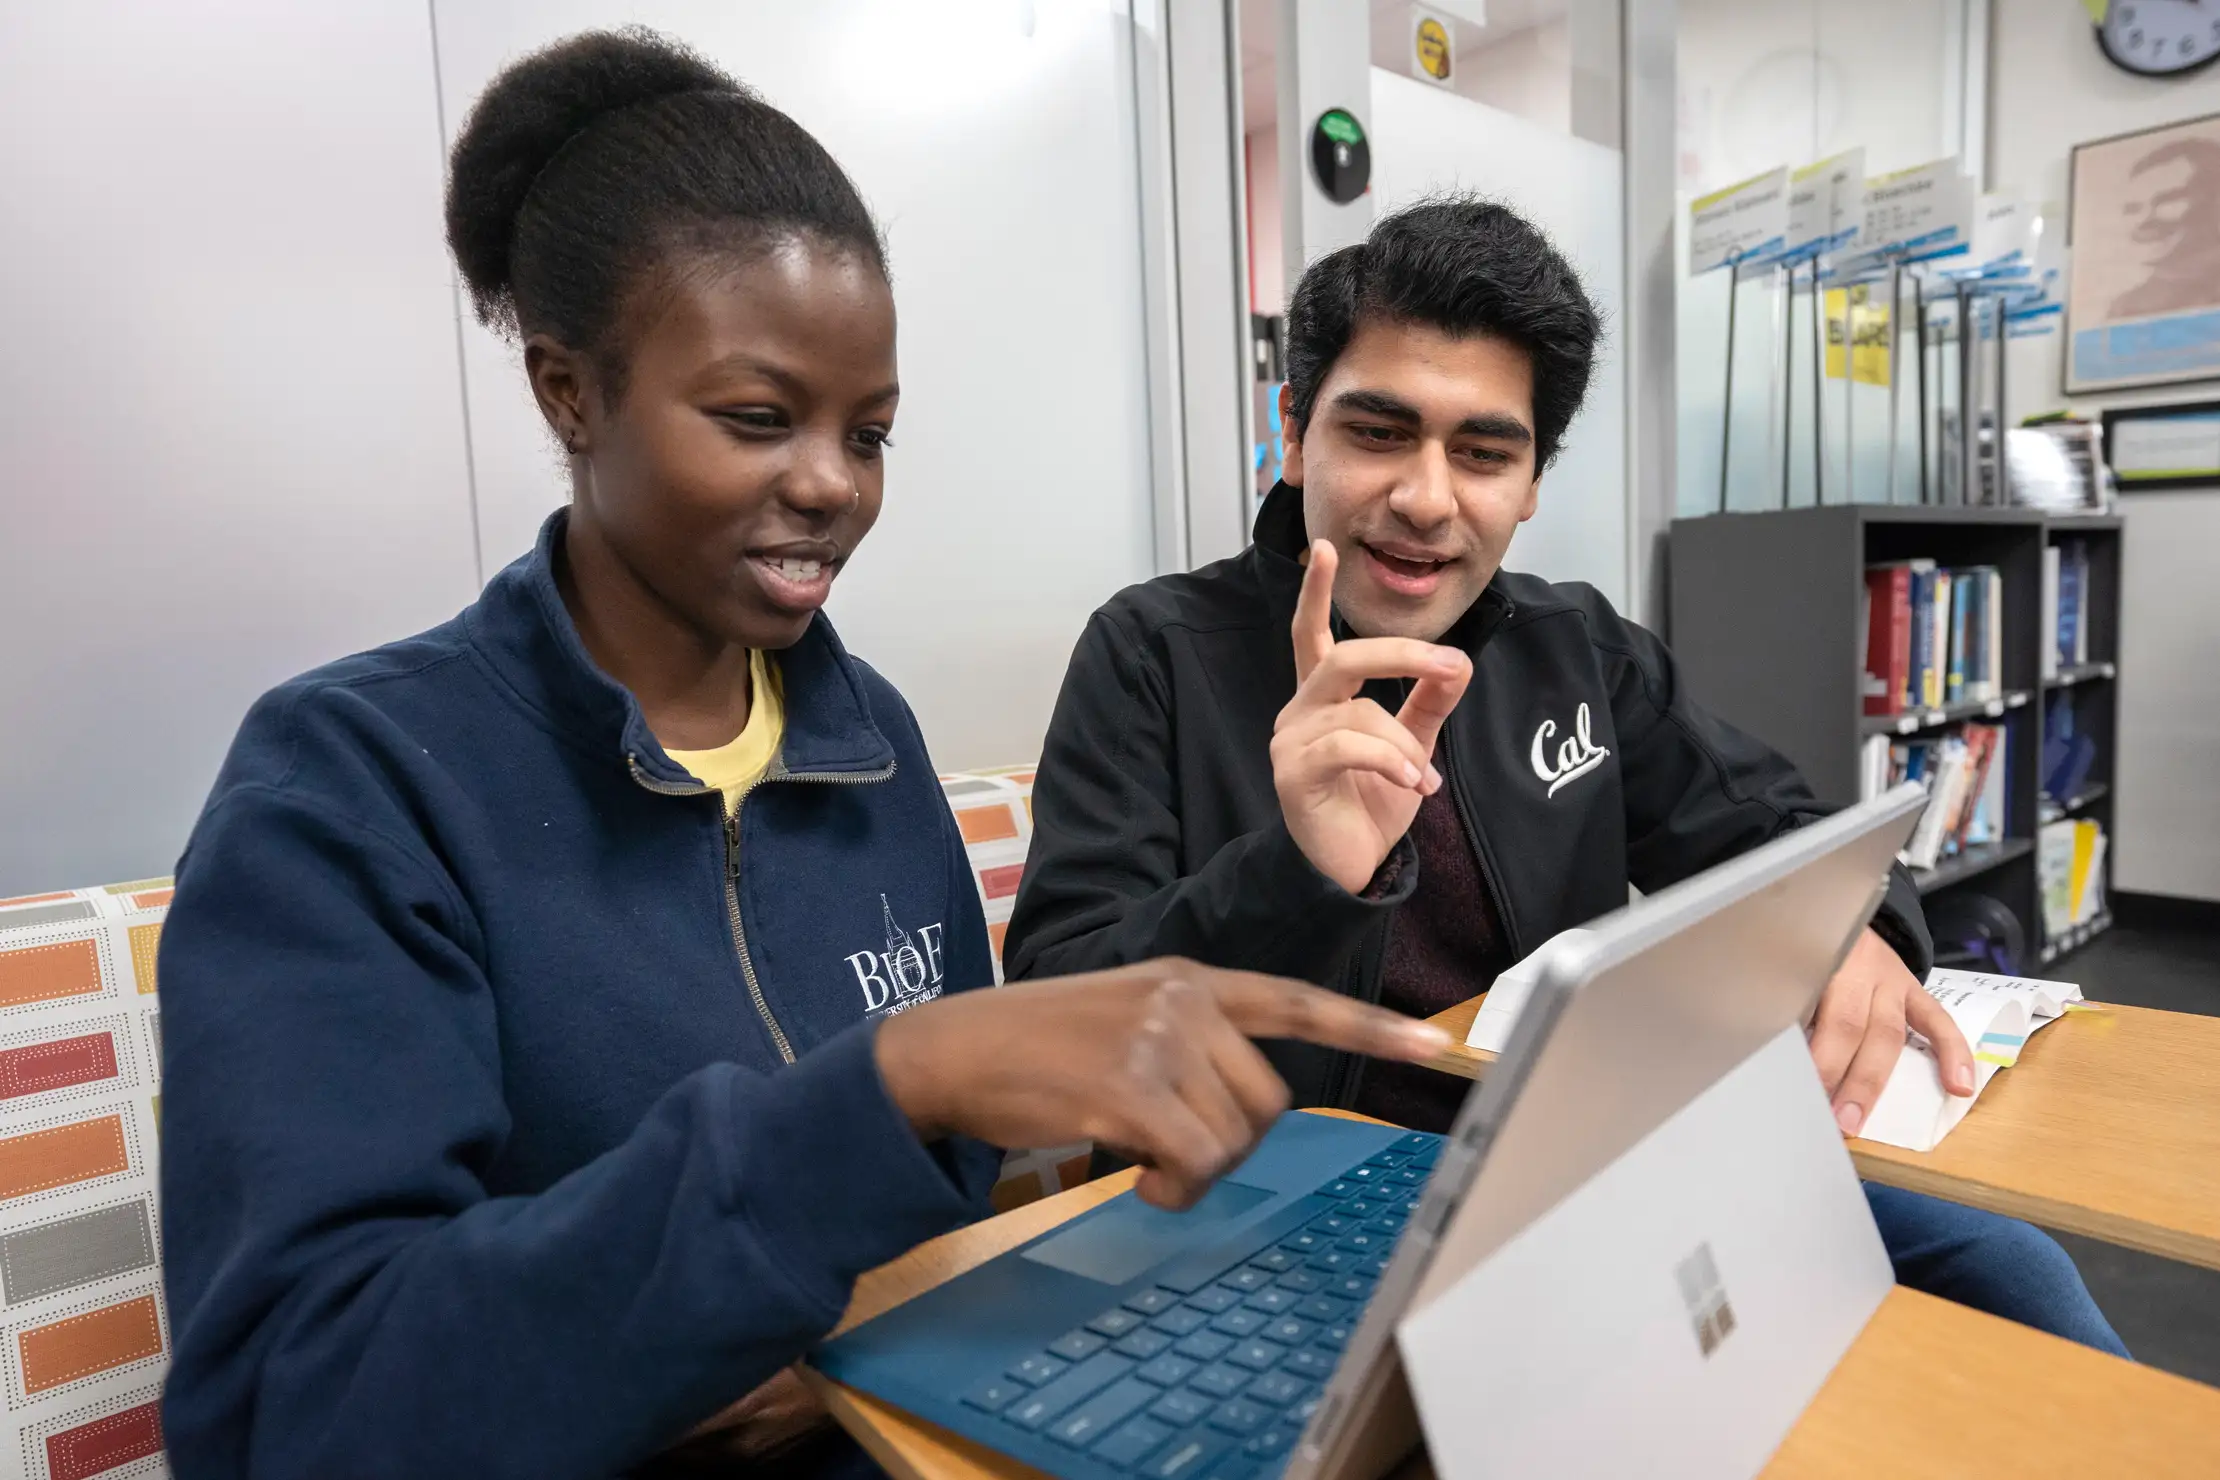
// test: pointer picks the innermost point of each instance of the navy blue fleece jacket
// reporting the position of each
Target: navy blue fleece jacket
(518, 1111)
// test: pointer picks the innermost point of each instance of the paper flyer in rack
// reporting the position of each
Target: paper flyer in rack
(1997, 1015)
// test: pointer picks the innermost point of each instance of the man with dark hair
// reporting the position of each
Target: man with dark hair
(1450, 763)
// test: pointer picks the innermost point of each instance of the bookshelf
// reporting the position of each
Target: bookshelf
(1764, 622)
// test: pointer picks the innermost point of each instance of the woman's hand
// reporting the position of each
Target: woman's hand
(1153, 1061)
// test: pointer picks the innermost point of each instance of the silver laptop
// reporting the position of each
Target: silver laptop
(1644, 1246)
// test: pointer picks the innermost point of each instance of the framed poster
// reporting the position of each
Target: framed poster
(2143, 302)
(2155, 447)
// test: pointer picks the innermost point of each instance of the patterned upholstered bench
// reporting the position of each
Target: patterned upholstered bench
(994, 811)
(84, 1334)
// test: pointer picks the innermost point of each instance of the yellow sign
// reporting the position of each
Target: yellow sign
(1856, 317)
(1431, 56)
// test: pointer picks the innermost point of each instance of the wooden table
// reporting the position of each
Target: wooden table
(1929, 1389)
(2109, 1125)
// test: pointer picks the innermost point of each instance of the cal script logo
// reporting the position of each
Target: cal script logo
(1576, 756)
(906, 973)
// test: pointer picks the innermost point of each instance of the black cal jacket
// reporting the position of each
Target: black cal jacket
(1577, 762)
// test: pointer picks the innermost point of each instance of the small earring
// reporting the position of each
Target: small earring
(570, 442)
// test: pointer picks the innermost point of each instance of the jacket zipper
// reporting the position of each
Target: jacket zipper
(1486, 856)
(731, 819)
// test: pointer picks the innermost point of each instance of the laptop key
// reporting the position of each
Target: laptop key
(1333, 1225)
(1273, 1441)
(1258, 1355)
(1333, 1338)
(1349, 1287)
(1074, 1346)
(1180, 1321)
(1301, 1281)
(1099, 1414)
(1337, 1188)
(1205, 1346)
(1183, 1407)
(1038, 1368)
(1185, 1458)
(1151, 1302)
(1389, 1225)
(1276, 1301)
(1305, 1242)
(1359, 1242)
(1359, 1208)
(1278, 1389)
(1240, 1322)
(1410, 1176)
(1388, 1159)
(1288, 1331)
(1333, 1261)
(995, 1394)
(1220, 1381)
(1275, 1260)
(1240, 1417)
(1141, 1345)
(1167, 1371)
(1214, 1300)
(1322, 1308)
(1312, 1364)
(1125, 1446)
(1247, 1280)
(1417, 1143)
(1367, 1175)
(1044, 1404)
(1374, 1267)
(1114, 1323)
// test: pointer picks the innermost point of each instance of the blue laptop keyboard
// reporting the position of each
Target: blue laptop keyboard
(1216, 1371)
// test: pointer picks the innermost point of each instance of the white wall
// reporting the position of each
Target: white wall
(233, 405)
(229, 406)
(1430, 139)
(1528, 72)
(2049, 89)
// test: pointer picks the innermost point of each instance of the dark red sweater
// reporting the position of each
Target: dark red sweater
(1444, 946)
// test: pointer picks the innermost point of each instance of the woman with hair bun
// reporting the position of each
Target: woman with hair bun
(564, 1005)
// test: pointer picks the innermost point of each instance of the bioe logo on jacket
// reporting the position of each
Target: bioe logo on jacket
(1575, 756)
(906, 973)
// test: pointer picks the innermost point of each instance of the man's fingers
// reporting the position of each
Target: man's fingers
(1314, 605)
(1953, 1055)
(1869, 1071)
(1838, 1030)
(1349, 666)
(1341, 751)
(1271, 1007)
(1431, 699)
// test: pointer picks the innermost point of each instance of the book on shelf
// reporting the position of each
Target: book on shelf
(2065, 606)
(1932, 636)
(2069, 871)
(1964, 773)
(2069, 752)
(1997, 1015)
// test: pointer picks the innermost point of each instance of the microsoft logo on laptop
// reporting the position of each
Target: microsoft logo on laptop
(1706, 1298)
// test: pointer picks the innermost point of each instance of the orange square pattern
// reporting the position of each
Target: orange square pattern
(37, 1160)
(29, 974)
(146, 942)
(78, 1346)
(986, 824)
(153, 899)
(33, 899)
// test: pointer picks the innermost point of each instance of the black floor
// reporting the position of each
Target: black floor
(2167, 1313)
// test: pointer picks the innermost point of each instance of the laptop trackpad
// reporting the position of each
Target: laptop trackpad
(1118, 1243)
